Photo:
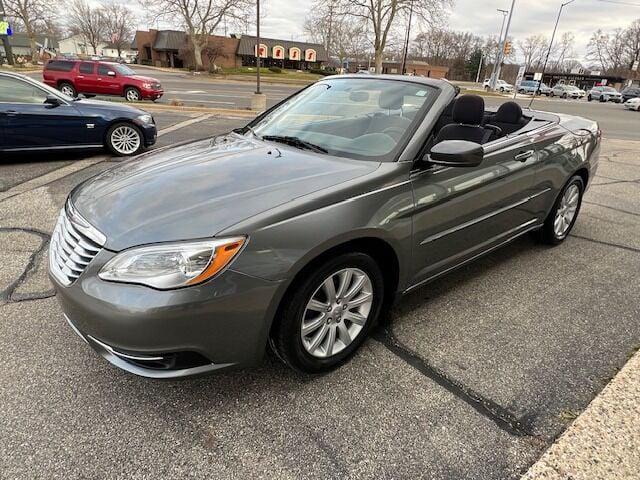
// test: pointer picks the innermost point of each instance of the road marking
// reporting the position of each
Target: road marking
(212, 101)
(183, 124)
(188, 92)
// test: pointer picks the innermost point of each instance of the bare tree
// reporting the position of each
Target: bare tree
(382, 16)
(119, 28)
(88, 21)
(563, 51)
(201, 18)
(534, 50)
(33, 16)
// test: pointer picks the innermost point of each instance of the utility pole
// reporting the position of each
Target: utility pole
(5, 38)
(504, 41)
(330, 28)
(492, 79)
(546, 59)
(403, 70)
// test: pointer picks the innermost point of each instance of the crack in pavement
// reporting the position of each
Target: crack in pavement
(499, 415)
(7, 295)
(608, 244)
(628, 212)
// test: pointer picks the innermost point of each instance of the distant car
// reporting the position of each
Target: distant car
(501, 86)
(97, 77)
(34, 116)
(630, 92)
(566, 91)
(604, 94)
(531, 86)
(633, 104)
(363, 72)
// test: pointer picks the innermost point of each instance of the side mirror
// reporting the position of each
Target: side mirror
(111, 73)
(456, 153)
(53, 101)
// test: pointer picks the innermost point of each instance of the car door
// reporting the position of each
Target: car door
(30, 123)
(107, 80)
(87, 79)
(461, 212)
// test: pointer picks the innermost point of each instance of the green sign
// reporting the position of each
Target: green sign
(4, 27)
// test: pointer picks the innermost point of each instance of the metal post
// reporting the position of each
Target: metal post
(258, 45)
(492, 79)
(403, 70)
(5, 38)
(504, 41)
(480, 67)
(546, 60)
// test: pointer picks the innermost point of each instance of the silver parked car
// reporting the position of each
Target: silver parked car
(566, 91)
(299, 229)
(604, 94)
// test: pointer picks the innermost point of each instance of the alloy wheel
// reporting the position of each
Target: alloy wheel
(337, 312)
(567, 210)
(67, 90)
(125, 139)
(132, 95)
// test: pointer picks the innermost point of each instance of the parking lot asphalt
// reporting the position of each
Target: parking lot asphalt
(470, 377)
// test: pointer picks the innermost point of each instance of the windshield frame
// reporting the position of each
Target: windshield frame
(392, 156)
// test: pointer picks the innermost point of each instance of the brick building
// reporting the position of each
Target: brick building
(416, 67)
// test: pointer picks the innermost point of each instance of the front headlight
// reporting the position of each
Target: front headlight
(146, 119)
(174, 265)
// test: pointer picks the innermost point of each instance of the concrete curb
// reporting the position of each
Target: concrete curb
(231, 112)
(604, 441)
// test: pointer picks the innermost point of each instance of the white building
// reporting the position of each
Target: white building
(78, 45)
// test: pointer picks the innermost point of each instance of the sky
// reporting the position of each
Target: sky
(285, 18)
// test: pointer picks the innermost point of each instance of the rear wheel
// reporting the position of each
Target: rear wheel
(132, 94)
(125, 139)
(564, 213)
(564, 95)
(68, 89)
(329, 314)
(589, 98)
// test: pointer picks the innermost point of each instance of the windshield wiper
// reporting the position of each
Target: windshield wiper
(295, 142)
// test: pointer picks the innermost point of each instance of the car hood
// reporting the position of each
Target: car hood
(142, 78)
(198, 189)
(85, 103)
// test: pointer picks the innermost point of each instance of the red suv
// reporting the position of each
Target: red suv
(92, 77)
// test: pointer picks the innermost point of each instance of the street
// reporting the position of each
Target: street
(471, 377)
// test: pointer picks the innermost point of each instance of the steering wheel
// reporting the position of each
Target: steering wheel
(394, 132)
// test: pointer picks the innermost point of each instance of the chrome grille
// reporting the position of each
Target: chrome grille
(71, 248)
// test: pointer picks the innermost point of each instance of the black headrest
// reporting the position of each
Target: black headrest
(509, 112)
(391, 99)
(468, 109)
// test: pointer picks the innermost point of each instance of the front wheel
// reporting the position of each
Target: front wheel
(564, 213)
(132, 94)
(589, 98)
(124, 140)
(564, 95)
(329, 314)
(68, 89)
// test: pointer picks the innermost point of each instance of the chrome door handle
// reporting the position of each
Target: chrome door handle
(12, 113)
(524, 156)
(80, 77)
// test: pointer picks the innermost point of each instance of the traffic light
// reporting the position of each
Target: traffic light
(507, 48)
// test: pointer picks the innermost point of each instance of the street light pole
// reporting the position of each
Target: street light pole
(546, 60)
(403, 70)
(5, 38)
(258, 46)
(479, 66)
(504, 41)
(495, 65)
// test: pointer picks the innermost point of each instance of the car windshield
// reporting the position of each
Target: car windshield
(609, 89)
(571, 87)
(362, 118)
(124, 70)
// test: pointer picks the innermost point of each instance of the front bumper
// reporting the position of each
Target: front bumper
(150, 133)
(221, 324)
(149, 94)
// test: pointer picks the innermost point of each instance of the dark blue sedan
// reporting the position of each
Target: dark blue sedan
(34, 116)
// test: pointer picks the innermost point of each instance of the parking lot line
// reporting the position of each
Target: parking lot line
(183, 124)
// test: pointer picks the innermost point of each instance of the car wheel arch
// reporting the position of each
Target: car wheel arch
(380, 249)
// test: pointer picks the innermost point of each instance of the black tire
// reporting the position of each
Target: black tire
(285, 338)
(589, 98)
(132, 94)
(602, 99)
(547, 233)
(68, 89)
(109, 142)
(551, 94)
(564, 95)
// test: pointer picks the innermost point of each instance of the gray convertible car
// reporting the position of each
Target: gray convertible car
(298, 230)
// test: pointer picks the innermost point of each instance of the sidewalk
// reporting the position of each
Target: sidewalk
(604, 441)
